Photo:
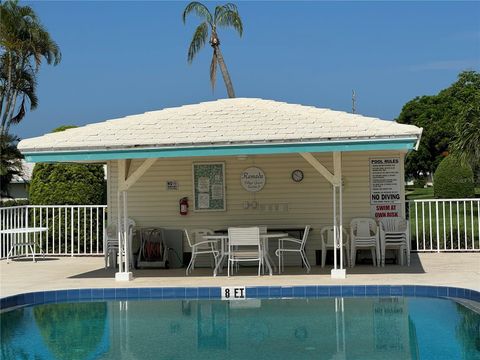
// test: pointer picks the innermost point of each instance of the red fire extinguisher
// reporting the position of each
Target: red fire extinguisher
(183, 206)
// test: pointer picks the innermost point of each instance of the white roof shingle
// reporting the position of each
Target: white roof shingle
(226, 121)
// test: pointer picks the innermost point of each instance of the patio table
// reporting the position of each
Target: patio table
(223, 246)
(27, 244)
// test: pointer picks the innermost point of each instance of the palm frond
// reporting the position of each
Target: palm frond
(199, 9)
(20, 115)
(467, 144)
(220, 8)
(199, 39)
(213, 69)
(228, 16)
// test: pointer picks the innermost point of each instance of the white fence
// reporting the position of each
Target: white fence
(72, 229)
(445, 224)
(435, 225)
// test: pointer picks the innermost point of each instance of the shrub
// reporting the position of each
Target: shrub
(14, 202)
(419, 183)
(67, 184)
(453, 179)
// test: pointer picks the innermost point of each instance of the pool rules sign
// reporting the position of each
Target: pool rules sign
(385, 187)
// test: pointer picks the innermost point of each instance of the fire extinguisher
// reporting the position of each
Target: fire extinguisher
(183, 206)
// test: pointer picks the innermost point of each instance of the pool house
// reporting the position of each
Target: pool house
(242, 162)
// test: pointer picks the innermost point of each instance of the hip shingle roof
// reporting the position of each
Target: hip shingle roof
(226, 121)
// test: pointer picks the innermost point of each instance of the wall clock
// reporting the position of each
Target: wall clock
(297, 175)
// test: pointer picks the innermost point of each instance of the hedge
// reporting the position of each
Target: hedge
(67, 184)
(453, 179)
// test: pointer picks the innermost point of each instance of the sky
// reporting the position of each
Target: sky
(123, 58)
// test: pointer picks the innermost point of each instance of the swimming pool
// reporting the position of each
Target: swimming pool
(315, 327)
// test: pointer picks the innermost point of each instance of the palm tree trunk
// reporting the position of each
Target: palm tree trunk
(6, 111)
(12, 111)
(225, 74)
(8, 91)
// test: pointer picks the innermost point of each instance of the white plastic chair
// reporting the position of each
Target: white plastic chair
(299, 248)
(364, 235)
(201, 247)
(394, 234)
(110, 241)
(198, 236)
(247, 238)
(327, 233)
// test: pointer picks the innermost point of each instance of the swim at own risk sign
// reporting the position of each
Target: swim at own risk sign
(385, 180)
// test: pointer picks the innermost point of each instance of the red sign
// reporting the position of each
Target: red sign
(386, 210)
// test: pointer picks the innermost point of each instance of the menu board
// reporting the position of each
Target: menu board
(209, 186)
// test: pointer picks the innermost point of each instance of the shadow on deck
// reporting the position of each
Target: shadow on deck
(360, 269)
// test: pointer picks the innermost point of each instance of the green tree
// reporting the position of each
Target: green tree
(67, 184)
(10, 161)
(24, 43)
(453, 179)
(224, 16)
(439, 116)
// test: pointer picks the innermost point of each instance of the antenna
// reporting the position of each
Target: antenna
(354, 100)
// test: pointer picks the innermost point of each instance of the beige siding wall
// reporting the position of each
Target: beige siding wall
(308, 202)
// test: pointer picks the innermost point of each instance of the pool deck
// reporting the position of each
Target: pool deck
(58, 273)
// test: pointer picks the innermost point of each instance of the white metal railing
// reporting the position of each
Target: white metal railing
(444, 224)
(72, 229)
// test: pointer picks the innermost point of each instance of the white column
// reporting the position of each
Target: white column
(334, 226)
(126, 242)
(123, 273)
(340, 206)
(119, 233)
(338, 273)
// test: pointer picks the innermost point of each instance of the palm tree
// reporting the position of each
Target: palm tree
(22, 84)
(467, 143)
(24, 43)
(224, 16)
(10, 161)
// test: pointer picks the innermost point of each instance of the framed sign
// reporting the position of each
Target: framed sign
(209, 187)
(385, 180)
(252, 179)
(385, 187)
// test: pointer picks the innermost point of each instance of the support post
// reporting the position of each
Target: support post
(125, 232)
(335, 228)
(340, 206)
(119, 234)
(337, 166)
(123, 273)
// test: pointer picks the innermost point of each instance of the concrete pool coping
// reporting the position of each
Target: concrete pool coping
(457, 270)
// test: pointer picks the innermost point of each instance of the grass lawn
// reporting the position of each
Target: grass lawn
(427, 193)
(453, 230)
(417, 194)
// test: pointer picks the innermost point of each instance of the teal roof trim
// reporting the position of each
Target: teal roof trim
(404, 144)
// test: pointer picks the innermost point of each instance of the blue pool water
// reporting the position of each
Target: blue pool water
(327, 328)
